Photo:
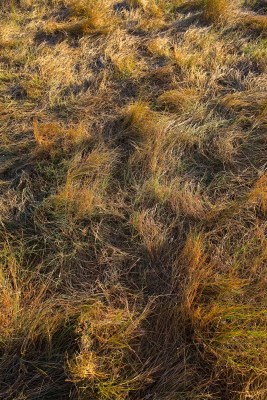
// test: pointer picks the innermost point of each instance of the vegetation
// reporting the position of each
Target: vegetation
(133, 245)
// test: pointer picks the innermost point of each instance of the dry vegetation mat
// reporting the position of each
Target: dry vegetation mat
(133, 154)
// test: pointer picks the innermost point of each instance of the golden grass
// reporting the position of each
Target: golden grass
(154, 12)
(150, 6)
(53, 137)
(93, 17)
(255, 22)
(216, 10)
(258, 193)
(159, 47)
(178, 100)
(106, 334)
(86, 182)
(83, 27)
(153, 234)
(225, 327)
(126, 66)
(141, 122)
(133, 200)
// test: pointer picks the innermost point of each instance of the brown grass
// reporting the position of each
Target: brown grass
(216, 11)
(177, 100)
(52, 136)
(257, 23)
(133, 200)
(86, 17)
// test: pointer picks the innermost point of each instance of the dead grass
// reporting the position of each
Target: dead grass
(141, 123)
(259, 193)
(176, 100)
(225, 327)
(216, 10)
(133, 200)
(256, 23)
(93, 17)
(159, 47)
(53, 137)
(105, 336)
(86, 182)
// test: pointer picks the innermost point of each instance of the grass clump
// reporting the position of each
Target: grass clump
(216, 11)
(258, 193)
(153, 11)
(224, 326)
(258, 52)
(86, 182)
(159, 47)
(257, 23)
(142, 123)
(150, 6)
(176, 100)
(105, 363)
(126, 65)
(51, 136)
(30, 328)
(93, 17)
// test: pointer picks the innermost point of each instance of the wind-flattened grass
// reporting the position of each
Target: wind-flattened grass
(153, 233)
(52, 137)
(178, 100)
(159, 47)
(105, 365)
(141, 123)
(93, 17)
(256, 23)
(133, 200)
(223, 325)
(258, 52)
(258, 193)
(33, 334)
(86, 182)
(152, 7)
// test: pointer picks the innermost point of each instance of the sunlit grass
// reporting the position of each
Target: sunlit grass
(133, 200)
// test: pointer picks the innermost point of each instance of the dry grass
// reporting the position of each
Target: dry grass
(133, 200)
(216, 10)
(93, 17)
(256, 23)
(159, 47)
(52, 137)
(105, 334)
(176, 100)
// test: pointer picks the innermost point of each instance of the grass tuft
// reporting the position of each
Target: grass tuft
(257, 23)
(178, 100)
(216, 11)
(105, 337)
(93, 17)
(52, 137)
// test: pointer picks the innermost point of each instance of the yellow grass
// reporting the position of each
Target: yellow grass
(133, 200)
(178, 100)
(216, 10)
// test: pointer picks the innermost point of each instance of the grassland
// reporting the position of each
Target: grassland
(133, 153)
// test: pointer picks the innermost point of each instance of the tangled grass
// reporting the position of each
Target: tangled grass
(133, 200)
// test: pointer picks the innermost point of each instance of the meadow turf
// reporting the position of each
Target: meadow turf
(133, 183)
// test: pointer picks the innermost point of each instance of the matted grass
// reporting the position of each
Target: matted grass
(133, 200)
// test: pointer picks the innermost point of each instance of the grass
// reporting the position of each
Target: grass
(85, 18)
(256, 23)
(133, 200)
(177, 100)
(215, 10)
